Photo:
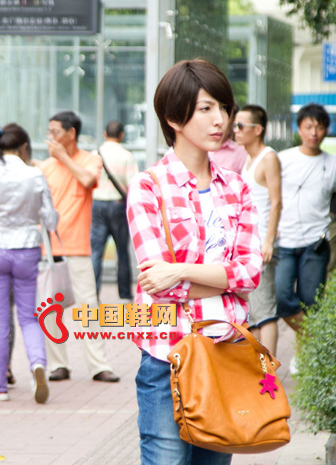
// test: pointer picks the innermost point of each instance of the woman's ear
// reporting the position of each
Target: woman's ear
(177, 127)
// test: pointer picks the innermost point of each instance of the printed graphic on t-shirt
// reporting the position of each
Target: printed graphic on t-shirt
(215, 237)
(216, 240)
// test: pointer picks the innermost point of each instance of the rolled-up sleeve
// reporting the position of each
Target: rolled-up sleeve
(244, 267)
(147, 233)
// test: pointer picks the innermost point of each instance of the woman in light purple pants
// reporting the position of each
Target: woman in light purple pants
(25, 199)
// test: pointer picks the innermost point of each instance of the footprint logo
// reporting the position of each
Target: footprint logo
(59, 313)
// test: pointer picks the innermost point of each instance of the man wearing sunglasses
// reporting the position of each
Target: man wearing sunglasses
(262, 173)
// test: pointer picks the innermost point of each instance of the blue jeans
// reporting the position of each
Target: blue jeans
(299, 273)
(160, 442)
(109, 217)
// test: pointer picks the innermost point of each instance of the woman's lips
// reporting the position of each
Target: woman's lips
(216, 135)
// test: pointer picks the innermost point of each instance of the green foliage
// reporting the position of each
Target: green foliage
(240, 92)
(318, 15)
(296, 140)
(240, 7)
(315, 391)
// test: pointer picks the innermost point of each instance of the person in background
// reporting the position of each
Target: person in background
(109, 209)
(26, 157)
(213, 225)
(308, 182)
(231, 155)
(72, 174)
(25, 199)
(262, 173)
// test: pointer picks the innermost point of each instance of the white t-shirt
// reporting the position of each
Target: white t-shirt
(308, 183)
(215, 245)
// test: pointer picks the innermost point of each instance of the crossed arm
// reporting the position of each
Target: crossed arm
(207, 280)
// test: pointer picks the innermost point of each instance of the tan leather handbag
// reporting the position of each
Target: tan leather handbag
(227, 396)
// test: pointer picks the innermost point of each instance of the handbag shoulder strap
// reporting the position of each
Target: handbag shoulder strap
(47, 244)
(186, 307)
(113, 179)
(164, 218)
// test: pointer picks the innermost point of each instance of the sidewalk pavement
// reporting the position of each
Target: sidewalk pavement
(87, 422)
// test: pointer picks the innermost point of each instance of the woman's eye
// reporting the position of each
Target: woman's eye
(205, 108)
(223, 107)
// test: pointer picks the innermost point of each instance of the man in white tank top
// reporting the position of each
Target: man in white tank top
(262, 173)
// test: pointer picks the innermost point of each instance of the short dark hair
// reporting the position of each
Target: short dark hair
(236, 108)
(313, 111)
(12, 137)
(114, 129)
(68, 119)
(176, 95)
(258, 116)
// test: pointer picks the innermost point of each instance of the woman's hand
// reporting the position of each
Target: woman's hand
(267, 252)
(157, 275)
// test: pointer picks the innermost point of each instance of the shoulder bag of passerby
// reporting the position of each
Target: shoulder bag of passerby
(113, 179)
(53, 277)
(227, 396)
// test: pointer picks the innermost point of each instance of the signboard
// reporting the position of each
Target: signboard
(329, 62)
(52, 17)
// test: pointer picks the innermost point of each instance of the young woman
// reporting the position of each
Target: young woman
(24, 199)
(214, 232)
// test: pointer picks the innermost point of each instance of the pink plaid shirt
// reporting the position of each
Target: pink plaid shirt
(242, 259)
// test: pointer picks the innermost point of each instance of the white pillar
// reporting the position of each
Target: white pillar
(152, 79)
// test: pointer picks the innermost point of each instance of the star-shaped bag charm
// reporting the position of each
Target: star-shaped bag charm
(269, 381)
(269, 385)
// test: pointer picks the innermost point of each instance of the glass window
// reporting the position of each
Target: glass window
(124, 76)
(43, 75)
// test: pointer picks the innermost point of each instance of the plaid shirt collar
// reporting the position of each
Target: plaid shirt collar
(181, 173)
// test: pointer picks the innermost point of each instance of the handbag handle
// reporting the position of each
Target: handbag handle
(259, 347)
(47, 244)
(245, 332)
